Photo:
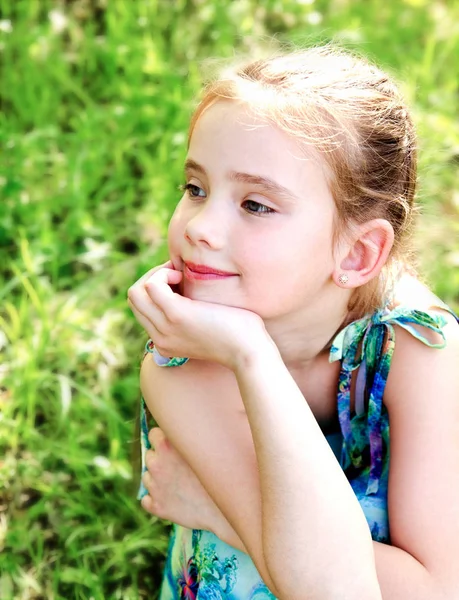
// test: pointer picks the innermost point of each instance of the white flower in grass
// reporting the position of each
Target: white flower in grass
(5, 26)
(178, 139)
(314, 18)
(104, 344)
(3, 340)
(28, 580)
(112, 467)
(102, 462)
(3, 530)
(453, 258)
(97, 252)
(66, 393)
(59, 21)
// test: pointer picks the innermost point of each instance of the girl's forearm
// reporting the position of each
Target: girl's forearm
(315, 536)
(400, 575)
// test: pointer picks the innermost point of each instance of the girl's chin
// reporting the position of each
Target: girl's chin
(203, 295)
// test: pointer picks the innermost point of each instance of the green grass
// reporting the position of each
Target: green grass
(93, 125)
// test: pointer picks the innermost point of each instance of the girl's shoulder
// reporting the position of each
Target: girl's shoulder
(411, 306)
(403, 350)
(417, 310)
(421, 366)
(422, 401)
(412, 293)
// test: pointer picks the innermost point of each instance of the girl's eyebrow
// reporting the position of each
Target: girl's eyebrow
(269, 184)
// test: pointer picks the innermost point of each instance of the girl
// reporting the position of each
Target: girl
(312, 351)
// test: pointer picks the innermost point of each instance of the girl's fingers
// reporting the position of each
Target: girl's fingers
(148, 274)
(147, 504)
(147, 481)
(150, 458)
(167, 276)
(156, 437)
(146, 323)
(158, 286)
(154, 288)
(143, 307)
(137, 290)
(139, 300)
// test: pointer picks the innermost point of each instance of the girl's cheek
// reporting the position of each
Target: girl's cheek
(175, 236)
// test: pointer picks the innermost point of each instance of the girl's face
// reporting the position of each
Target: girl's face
(256, 208)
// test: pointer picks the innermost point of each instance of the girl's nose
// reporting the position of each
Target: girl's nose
(207, 227)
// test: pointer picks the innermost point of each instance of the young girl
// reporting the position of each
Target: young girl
(313, 354)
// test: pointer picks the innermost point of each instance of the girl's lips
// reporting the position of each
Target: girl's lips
(204, 272)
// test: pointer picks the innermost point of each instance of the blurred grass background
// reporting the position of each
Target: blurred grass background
(95, 102)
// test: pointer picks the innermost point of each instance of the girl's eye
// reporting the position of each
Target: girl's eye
(193, 190)
(251, 206)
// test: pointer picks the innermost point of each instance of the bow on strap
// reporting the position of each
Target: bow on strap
(369, 343)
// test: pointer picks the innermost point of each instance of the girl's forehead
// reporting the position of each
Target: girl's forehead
(236, 117)
(231, 133)
(233, 151)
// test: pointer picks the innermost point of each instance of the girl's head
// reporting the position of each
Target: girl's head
(348, 112)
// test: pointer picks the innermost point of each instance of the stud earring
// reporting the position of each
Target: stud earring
(343, 278)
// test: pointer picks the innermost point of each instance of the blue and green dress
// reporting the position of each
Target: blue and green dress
(199, 566)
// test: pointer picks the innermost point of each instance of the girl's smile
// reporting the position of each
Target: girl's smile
(195, 272)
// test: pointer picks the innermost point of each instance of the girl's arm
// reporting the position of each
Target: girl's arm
(313, 529)
(422, 397)
(309, 510)
(198, 416)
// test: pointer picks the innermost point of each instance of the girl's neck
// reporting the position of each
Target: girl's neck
(303, 337)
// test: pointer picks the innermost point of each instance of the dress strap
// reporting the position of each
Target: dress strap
(163, 361)
(371, 341)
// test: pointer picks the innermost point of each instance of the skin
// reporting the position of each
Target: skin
(257, 343)
(266, 240)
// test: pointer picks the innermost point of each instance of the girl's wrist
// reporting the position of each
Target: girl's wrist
(256, 351)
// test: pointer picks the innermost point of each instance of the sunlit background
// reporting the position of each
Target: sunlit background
(96, 98)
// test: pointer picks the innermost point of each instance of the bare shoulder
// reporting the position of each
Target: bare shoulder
(422, 398)
(413, 293)
(410, 291)
(422, 371)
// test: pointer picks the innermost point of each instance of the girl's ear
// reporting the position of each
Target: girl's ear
(365, 255)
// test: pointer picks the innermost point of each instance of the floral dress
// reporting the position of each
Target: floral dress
(199, 566)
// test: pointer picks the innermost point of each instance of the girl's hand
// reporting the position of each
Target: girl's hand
(188, 328)
(175, 493)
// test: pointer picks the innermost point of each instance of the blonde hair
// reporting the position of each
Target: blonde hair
(354, 115)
